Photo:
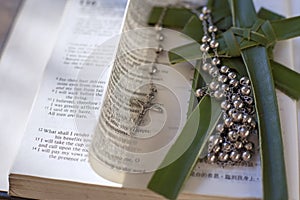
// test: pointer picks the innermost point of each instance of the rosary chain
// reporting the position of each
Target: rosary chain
(147, 105)
(232, 141)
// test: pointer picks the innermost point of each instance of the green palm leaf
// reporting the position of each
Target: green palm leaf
(247, 48)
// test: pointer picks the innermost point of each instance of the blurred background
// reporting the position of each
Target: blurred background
(8, 11)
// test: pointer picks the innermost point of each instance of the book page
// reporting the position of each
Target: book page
(67, 109)
(56, 141)
(120, 144)
(21, 69)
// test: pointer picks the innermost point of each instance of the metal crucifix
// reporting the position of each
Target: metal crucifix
(146, 106)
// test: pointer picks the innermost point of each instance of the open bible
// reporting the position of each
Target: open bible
(95, 84)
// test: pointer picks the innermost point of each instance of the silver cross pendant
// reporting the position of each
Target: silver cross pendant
(145, 107)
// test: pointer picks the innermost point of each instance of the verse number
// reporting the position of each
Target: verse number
(88, 2)
(38, 139)
(51, 113)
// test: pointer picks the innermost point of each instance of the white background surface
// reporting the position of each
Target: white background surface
(21, 69)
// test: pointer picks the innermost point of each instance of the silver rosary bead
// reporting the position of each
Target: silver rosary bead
(159, 49)
(214, 85)
(160, 37)
(202, 16)
(244, 132)
(153, 70)
(244, 81)
(224, 69)
(233, 136)
(225, 87)
(206, 66)
(218, 94)
(237, 116)
(225, 105)
(214, 139)
(228, 122)
(233, 82)
(249, 146)
(246, 156)
(211, 158)
(215, 61)
(247, 119)
(225, 115)
(235, 156)
(158, 27)
(245, 90)
(226, 147)
(200, 92)
(231, 75)
(220, 128)
(216, 149)
(206, 39)
(205, 10)
(223, 157)
(238, 144)
(204, 47)
(235, 97)
(231, 111)
(212, 29)
(238, 104)
(213, 71)
(214, 44)
(222, 78)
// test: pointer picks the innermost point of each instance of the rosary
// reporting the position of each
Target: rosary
(147, 105)
(231, 143)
